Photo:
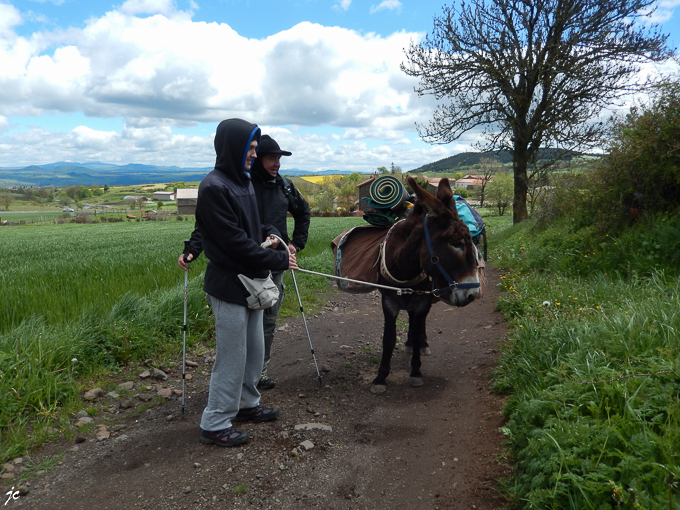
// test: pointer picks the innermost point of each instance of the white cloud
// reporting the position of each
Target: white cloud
(343, 5)
(669, 4)
(316, 75)
(390, 5)
(133, 7)
(663, 12)
(159, 70)
(85, 138)
(9, 17)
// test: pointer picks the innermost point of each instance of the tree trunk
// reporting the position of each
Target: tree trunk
(519, 203)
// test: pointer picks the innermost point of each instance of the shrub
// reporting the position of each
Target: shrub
(641, 173)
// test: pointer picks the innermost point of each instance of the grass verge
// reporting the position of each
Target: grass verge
(592, 366)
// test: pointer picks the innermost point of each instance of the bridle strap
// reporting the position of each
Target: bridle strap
(434, 262)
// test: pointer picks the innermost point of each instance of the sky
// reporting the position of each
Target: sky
(147, 81)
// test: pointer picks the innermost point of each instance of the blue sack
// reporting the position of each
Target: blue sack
(471, 217)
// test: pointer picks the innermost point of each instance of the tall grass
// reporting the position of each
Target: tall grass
(61, 271)
(81, 300)
(593, 368)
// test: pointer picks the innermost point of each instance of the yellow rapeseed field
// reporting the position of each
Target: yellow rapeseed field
(321, 179)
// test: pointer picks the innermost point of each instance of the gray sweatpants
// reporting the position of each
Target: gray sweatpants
(238, 363)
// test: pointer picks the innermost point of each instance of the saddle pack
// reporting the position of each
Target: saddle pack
(356, 255)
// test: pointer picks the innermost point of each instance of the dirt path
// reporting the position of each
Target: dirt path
(432, 447)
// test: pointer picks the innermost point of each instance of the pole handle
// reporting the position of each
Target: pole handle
(187, 249)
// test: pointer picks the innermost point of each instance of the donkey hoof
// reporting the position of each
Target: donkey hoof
(378, 388)
(425, 351)
(416, 381)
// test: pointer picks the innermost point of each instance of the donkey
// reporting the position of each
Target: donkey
(430, 252)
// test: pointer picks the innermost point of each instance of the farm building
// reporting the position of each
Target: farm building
(163, 195)
(470, 182)
(186, 200)
(365, 192)
(433, 184)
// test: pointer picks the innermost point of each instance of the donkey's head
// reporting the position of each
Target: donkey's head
(450, 256)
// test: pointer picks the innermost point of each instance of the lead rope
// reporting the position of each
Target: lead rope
(398, 290)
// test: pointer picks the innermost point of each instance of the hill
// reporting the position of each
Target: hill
(464, 160)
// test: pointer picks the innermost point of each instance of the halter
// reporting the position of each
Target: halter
(434, 262)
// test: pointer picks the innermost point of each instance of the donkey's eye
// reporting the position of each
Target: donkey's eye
(459, 245)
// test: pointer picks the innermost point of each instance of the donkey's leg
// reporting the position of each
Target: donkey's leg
(390, 312)
(424, 346)
(417, 335)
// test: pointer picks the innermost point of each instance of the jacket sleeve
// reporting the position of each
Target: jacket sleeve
(195, 247)
(268, 230)
(302, 217)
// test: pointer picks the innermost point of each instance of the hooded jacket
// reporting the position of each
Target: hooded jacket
(275, 198)
(228, 220)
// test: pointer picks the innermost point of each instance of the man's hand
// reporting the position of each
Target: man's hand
(184, 264)
(292, 262)
(292, 249)
(274, 242)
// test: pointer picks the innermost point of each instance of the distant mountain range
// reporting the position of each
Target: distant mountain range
(70, 173)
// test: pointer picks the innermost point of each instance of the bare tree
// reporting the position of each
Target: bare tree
(488, 166)
(538, 182)
(533, 74)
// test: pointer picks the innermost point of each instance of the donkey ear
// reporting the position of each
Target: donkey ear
(444, 192)
(430, 204)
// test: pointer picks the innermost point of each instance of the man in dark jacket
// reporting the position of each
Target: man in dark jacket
(231, 237)
(276, 196)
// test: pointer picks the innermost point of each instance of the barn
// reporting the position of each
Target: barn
(186, 200)
(163, 195)
(365, 192)
(470, 182)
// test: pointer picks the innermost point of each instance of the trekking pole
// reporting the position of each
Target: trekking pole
(302, 312)
(184, 327)
(304, 320)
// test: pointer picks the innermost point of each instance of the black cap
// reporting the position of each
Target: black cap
(269, 146)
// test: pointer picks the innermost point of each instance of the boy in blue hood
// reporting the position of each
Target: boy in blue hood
(229, 223)
(276, 196)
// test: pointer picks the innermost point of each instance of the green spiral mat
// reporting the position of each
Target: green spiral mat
(387, 192)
